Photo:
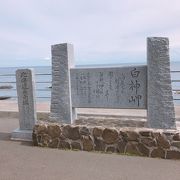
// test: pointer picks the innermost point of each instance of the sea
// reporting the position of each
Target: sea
(43, 80)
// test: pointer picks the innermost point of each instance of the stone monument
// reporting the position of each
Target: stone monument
(160, 109)
(61, 104)
(25, 84)
(135, 87)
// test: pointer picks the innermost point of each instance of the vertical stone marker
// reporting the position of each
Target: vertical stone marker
(160, 110)
(61, 105)
(25, 84)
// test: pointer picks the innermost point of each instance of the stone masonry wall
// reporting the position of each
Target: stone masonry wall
(133, 141)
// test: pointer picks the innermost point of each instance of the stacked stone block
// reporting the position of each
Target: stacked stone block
(133, 141)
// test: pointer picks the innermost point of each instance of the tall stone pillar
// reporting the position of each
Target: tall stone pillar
(61, 105)
(25, 85)
(160, 107)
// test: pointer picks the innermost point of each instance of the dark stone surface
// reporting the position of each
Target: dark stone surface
(87, 143)
(99, 145)
(173, 154)
(132, 148)
(54, 131)
(159, 152)
(97, 132)
(110, 136)
(76, 146)
(54, 143)
(64, 145)
(71, 132)
(143, 149)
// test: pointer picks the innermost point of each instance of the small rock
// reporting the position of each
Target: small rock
(84, 131)
(148, 142)
(145, 133)
(41, 129)
(97, 132)
(34, 139)
(64, 145)
(99, 145)
(162, 141)
(176, 144)
(121, 146)
(159, 152)
(71, 132)
(132, 136)
(143, 149)
(132, 149)
(87, 143)
(176, 137)
(110, 136)
(54, 130)
(54, 143)
(111, 149)
(45, 139)
(173, 154)
(76, 146)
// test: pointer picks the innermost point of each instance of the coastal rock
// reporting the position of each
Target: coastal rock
(6, 87)
(4, 97)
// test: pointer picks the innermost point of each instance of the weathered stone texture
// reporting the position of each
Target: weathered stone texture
(131, 141)
(160, 108)
(25, 83)
(159, 152)
(110, 136)
(61, 106)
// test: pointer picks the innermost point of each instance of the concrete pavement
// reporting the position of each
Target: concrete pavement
(22, 161)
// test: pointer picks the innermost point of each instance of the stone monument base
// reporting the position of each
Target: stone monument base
(21, 135)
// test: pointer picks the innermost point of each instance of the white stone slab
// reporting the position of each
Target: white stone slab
(116, 87)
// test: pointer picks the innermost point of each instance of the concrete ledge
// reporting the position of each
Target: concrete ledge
(134, 141)
(21, 135)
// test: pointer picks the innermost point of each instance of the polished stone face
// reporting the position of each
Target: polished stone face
(116, 87)
(26, 100)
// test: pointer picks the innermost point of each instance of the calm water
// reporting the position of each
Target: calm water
(43, 92)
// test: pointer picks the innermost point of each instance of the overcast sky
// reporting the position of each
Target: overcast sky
(102, 31)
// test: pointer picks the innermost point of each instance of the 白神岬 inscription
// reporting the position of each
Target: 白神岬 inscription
(114, 87)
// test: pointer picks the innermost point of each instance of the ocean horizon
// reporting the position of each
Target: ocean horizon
(43, 90)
